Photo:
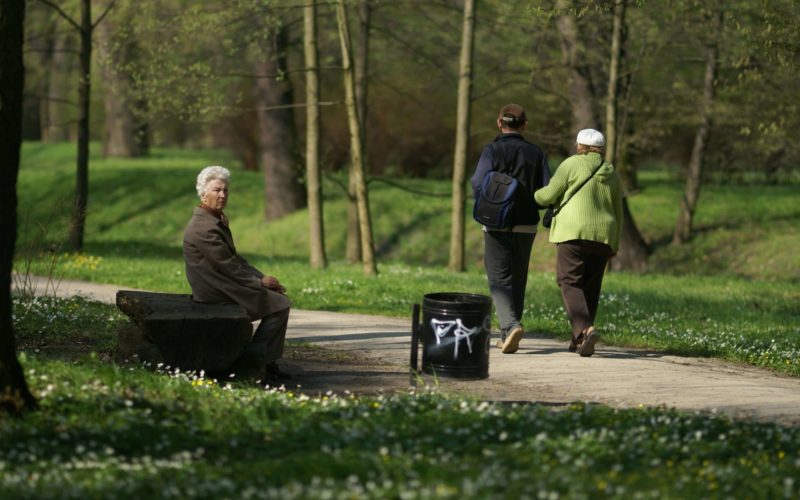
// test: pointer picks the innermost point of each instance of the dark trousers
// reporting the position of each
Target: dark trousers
(580, 265)
(270, 335)
(506, 258)
(265, 346)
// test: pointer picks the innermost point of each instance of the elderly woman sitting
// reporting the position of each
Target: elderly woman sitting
(218, 274)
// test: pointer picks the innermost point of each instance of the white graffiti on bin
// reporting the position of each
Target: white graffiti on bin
(442, 328)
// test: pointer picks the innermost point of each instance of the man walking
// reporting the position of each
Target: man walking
(507, 250)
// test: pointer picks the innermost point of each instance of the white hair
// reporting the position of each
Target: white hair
(209, 174)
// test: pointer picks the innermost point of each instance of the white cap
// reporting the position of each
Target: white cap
(591, 137)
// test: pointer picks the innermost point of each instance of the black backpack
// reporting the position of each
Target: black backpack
(494, 203)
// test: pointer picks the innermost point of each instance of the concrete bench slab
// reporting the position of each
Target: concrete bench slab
(174, 330)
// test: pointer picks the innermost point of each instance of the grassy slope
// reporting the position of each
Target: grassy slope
(731, 292)
(139, 208)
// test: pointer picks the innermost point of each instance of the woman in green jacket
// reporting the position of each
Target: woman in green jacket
(586, 231)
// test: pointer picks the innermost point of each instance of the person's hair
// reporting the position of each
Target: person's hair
(512, 116)
(209, 174)
(583, 149)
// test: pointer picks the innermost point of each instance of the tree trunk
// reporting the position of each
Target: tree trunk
(46, 53)
(462, 138)
(353, 250)
(356, 155)
(613, 83)
(691, 193)
(283, 192)
(626, 168)
(313, 183)
(120, 129)
(78, 224)
(579, 86)
(15, 397)
(55, 118)
(633, 249)
(361, 65)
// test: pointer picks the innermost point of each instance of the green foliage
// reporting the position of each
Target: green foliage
(112, 431)
(191, 61)
(189, 55)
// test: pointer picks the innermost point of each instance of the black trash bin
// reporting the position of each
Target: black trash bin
(455, 335)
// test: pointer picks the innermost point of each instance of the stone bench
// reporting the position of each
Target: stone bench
(174, 330)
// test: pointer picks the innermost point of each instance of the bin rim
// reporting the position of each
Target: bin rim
(448, 300)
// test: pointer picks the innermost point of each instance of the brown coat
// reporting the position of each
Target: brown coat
(217, 274)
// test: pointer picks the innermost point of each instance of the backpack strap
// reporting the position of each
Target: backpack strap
(496, 151)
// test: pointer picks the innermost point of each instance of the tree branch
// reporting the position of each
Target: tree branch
(103, 15)
(62, 13)
(49, 99)
(403, 93)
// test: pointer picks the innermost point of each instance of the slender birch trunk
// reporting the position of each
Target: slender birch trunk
(462, 138)
(356, 149)
(313, 182)
(361, 65)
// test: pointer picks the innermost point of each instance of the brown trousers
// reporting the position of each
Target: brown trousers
(580, 265)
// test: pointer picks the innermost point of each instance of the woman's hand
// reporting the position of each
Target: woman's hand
(272, 283)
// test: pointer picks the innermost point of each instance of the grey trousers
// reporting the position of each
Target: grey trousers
(506, 258)
(580, 265)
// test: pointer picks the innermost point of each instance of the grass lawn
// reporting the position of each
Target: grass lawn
(118, 431)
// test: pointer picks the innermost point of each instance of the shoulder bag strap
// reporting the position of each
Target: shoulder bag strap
(555, 212)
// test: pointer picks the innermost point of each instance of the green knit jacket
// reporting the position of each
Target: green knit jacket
(595, 212)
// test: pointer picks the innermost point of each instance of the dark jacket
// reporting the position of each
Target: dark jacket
(511, 154)
(218, 275)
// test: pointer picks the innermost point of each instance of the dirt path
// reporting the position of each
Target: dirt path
(370, 354)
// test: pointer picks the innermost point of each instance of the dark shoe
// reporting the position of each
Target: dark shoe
(576, 342)
(274, 372)
(511, 345)
(587, 349)
(249, 366)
